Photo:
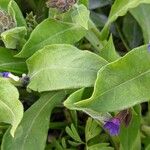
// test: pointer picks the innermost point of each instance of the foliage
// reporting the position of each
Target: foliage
(69, 67)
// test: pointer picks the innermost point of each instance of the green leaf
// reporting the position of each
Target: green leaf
(119, 8)
(57, 145)
(14, 37)
(81, 16)
(92, 129)
(78, 96)
(11, 64)
(72, 132)
(32, 131)
(121, 84)
(52, 31)
(148, 147)
(16, 13)
(73, 143)
(100, 146)
(4, 4)
(109, 52)
(84, 2)
(140, 13)
(11, 109)
(132, 31)
(128, 136)
(63, 67)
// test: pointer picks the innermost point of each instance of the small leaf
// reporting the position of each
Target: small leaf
(33, 129)
(120, 8)
(14, 37)
(63, 142)
(100, 146)
(63, 67)
(80, 16)
(72, 132)
(52, 31)
(11, 109)
(109, 52)
(16, 13)
(11, 64)
(92, 129)
(73, 143)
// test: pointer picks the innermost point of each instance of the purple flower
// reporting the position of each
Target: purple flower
(5, 74)
(9, 75)
(148, 47)
(113, 126)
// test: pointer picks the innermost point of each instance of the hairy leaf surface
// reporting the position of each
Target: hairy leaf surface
(11, 109)
(11, 64)
(121, 84)
(32, 131)
(52, 31)
(63, 67)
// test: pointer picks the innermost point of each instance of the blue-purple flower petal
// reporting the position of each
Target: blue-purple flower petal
(5, 74)
(113, 126)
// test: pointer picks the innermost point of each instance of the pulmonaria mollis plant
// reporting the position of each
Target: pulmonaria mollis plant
(74, 74)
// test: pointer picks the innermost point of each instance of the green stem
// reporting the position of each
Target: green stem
(57, 125)
(93, 36)
(122, 38)
(94, 29)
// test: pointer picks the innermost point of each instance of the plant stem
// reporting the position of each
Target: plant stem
(93, 36)
(122, 38)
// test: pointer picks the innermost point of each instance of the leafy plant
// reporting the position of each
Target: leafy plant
(74, 75)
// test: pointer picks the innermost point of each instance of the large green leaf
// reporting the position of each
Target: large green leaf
(14, 37)
(11, 109)
(52, 31)
(9, 63)
(120, 8)
(32, 131)
(63, 66)
(120, 84)
(141, 15)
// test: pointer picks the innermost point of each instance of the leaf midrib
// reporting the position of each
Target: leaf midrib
(8, 108)
(62, 32)
(11, 63)
(63, 68)
(120, 84)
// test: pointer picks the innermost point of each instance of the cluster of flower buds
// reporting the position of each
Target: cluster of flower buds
(6, 21)
(61, 5)
(113, 124)
(24, 80)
